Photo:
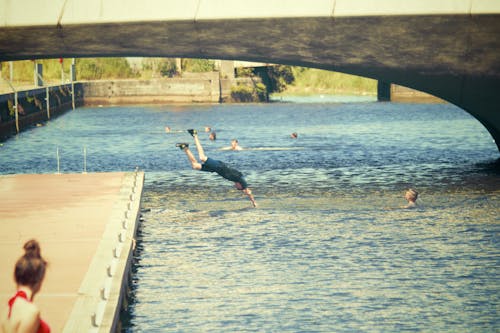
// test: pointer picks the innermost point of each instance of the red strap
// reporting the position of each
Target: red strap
(43, 327)
(19, 293)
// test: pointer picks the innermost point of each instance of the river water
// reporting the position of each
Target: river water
(328, 249)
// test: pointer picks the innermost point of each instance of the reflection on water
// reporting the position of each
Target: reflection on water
(327, 250)
(318, 264)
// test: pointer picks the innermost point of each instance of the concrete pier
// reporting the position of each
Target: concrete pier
(86, 224)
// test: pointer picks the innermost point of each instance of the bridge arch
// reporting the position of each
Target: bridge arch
(449, 48)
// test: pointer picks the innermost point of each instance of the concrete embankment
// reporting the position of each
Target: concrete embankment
(191, 88)
(159, 91)
(408, 95)
(86, 225)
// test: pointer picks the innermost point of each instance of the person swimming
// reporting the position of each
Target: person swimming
(411, 196)
(235, 145)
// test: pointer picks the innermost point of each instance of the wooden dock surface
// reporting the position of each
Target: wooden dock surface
(86, 225)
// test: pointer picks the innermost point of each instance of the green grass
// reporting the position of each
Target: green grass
(310, 81)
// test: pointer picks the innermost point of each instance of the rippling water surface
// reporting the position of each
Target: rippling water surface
(328, 249)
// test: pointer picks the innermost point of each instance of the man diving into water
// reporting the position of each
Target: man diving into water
(211, 165)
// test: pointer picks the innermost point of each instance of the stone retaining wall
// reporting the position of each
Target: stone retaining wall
(156, 91)
(191, 88)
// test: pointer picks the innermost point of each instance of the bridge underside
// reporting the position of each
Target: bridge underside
(454, 57)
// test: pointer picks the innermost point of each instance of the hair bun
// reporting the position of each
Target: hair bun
(32, 249)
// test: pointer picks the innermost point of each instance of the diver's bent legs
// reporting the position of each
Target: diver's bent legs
(201, 152)
(194, 163)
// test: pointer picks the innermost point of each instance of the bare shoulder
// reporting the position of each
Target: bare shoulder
(31, 321)
(26, 316)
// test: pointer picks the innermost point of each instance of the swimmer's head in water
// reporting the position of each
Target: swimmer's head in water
(411, 195)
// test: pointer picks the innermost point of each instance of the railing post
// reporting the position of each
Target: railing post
(16, 112)
(15, 99)
(47, 98)
(38, 75)
(61, 61)
(58, 163)
(11, 71)
(73, 78)
(73, 94)
(73, 70)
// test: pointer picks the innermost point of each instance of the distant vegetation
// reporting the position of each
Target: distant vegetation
(86, 69)
(244, 93)
(292, 80)
(165, 67)
(309, 81)
(103, 68)
(285, 80)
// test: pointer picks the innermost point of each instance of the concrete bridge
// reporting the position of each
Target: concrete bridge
(448, 48)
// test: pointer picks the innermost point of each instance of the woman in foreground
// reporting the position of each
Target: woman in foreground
(21, 315)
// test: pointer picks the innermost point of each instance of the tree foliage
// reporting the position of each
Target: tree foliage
(275, 78)
(104, 68)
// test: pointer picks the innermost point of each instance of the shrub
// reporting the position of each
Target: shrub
(167, 68)
(198, 65)
(275, 78)
(242, 93)
(261, 91)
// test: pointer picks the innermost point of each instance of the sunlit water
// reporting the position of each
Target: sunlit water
(328, 249)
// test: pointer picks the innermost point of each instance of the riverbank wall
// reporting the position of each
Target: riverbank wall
(191, 88)
(35, 106)
(407, 95)
(390, 92)
(156, 91)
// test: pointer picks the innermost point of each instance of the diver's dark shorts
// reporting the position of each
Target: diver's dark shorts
(224, 171)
